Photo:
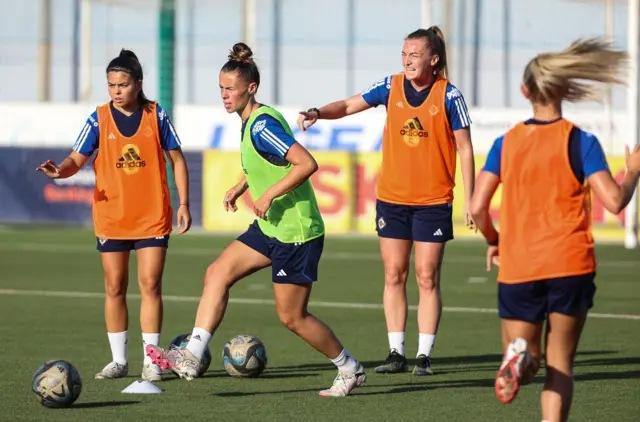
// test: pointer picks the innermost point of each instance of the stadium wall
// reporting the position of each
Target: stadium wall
(347, 152)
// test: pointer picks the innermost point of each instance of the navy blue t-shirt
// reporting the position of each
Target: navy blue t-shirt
(457, 113)
(89, 138)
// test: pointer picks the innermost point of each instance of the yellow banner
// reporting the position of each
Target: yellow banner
(606, 225)
(333, 185)
(367, 171)
(345, 186)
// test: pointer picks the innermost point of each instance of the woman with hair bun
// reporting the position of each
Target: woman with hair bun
(288, 234)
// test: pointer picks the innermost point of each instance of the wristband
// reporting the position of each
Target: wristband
(314, 109)
(495, 242)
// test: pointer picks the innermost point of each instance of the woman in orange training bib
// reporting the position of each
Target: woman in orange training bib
(547, 167)
(132, 205)
(427, 121)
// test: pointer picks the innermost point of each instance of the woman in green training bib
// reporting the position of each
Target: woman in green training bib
(287, 236)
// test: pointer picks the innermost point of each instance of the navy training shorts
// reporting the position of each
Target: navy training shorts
(420, 223)
(119, 245)
(294, 263)
(533, 300)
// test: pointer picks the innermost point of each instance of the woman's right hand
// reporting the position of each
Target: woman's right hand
(493, 257)
(50, 169)
(632, 159)
(232, 195)
(307, 116)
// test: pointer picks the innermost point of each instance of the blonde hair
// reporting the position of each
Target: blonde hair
(434, 38)
(566, 75)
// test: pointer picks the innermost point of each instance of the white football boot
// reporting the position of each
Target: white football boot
(113, 370)
(345, 382)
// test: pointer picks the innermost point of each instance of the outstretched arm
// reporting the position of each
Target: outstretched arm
(332, 111)
(70, 166)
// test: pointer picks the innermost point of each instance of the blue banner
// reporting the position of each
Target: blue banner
(28, 196)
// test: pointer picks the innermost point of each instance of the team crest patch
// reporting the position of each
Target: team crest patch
(433, 110)
(381, 223)
(454, 93)
(259, 125)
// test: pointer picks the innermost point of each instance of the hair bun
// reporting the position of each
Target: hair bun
(128, 54)
(241, 53)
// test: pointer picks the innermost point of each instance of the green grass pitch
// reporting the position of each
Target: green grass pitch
(69, 325)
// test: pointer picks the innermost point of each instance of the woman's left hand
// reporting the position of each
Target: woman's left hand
(468, 220)
(261, 206)
(184, 219)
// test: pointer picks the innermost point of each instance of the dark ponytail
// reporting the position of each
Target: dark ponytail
(128, 62)
(241, 60)
(435, 41)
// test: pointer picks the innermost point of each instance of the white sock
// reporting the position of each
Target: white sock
(149, 338)
(396, 341)
(345, 362)
(425, 344)
(198, 342)
(118, 342)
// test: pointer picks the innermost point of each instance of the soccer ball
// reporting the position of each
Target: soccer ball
(244, 356)
(57, 383)
(182, 340)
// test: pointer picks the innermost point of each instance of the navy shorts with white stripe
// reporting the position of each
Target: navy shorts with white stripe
(295, 263)
(420, 223)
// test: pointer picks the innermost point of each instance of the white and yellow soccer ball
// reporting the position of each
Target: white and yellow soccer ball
(57, 383)
(244, 356)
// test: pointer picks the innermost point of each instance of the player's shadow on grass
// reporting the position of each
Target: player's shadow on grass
(493, 358)
(97, 404)
(364, 390)
(232, 394)
(608, 361)
(414, 387)
(598, 376)
(267, 375)
(472, 361)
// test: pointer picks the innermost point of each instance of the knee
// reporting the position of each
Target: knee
(428, 280)
(150, 286)
(216, 276)
(291, 320)
(395, 276)
(115, 286)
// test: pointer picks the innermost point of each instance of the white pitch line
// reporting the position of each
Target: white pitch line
(212, 252)
(248, 301)
(477, 280)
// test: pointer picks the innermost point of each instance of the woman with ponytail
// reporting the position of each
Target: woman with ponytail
(548, 167)
(427, 122)
(132, 205)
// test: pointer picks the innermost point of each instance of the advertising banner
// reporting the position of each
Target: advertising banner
(28, 196)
